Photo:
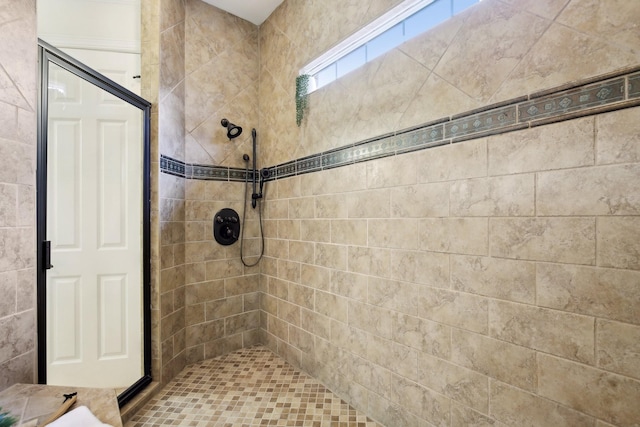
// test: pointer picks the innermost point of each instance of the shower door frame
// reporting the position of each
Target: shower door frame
(49, 54)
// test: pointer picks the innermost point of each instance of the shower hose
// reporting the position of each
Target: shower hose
(244, 215)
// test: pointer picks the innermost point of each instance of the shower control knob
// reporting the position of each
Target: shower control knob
(226, 226)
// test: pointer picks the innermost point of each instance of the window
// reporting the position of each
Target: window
(405, 21)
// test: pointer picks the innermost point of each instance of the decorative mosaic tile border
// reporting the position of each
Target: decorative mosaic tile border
(594, 96)
(206, 172)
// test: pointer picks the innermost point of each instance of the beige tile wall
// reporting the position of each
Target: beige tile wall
(163, 33)
(491, 282)
(510, 298)
(221, 295)
(199, 65)
(18, 87)
(492, 52)
(222, 68)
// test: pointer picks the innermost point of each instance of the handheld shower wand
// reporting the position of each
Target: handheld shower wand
(254, 195)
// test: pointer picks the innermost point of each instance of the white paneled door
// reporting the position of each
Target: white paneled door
(94, 223)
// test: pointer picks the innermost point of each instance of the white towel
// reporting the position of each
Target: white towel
(79, 417)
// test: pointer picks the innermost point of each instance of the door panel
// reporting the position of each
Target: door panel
(94, 223)
(113, 317)
(64, 193)
(65, 302)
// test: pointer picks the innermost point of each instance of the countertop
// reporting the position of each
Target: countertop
(31, 404)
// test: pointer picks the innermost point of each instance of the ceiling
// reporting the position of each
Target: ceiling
(255, 11)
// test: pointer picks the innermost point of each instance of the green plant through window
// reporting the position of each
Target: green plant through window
(6, 420)
(302, 97)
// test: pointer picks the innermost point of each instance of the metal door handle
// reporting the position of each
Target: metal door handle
(47, 255)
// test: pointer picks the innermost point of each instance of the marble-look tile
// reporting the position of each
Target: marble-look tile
(372, 261)
(18, 31)
(605, 293)
(350, 285)
(607, 396)
(203, 292)
(423, 109)
(616, 143)
(302, 296)
(454, 235)
(495, 33)
(460, 384)
(589, 191)
(369, 204)
(349, 232)
(389, 413)
(425, 268)
(420, 401)
(242, 322)
(537, 149)
(333, 181)
(419, 201)
(171, 122)
(401, 297)
(506, 362)
(570, 240)
(331, 256)
(465, 311)
(513, 406)
(8, 288)
(499, 278)
(9, 206)
(396, 78)
(17, 335)
(619, 242)
(315, 230)
(172, 12)
(302, 207)
(26, 290)
(540, 68)
(223, 307)
(343, 337)
(288, 270)
(503, 196)
(391, 172)
(302, 252)
(332, 306)
(18, 370)
(428, 47)
(617, 347)
(613, 21)
(371, 319)
(464, 416)
(564, 334)
(399, 234)
(424, 335)
(171, 59)
(457, 161)
(396, 357)
(17, 161)
(546, 8)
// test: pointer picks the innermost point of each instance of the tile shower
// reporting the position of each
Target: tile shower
(492, 281)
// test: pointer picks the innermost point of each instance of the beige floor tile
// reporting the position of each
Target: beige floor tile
(250, 387)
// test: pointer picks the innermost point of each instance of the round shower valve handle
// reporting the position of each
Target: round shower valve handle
(226, 226)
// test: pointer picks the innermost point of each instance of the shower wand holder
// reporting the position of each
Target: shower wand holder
(264, 174)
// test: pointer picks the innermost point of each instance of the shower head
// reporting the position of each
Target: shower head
(232, 130)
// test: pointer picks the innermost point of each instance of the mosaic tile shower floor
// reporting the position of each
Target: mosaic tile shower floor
(250, 387)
